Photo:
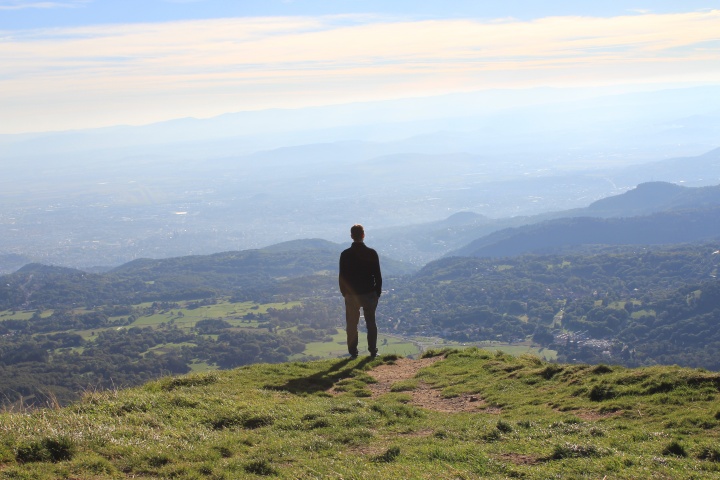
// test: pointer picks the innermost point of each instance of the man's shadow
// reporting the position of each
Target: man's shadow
(324, 380)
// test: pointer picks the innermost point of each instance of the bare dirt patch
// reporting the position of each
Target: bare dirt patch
(423, 395)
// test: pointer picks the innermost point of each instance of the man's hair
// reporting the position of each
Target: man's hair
(357, 232)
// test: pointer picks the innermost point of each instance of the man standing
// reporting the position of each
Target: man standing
(361, 285)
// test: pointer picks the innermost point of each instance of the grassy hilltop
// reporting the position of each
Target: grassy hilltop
(453, 414)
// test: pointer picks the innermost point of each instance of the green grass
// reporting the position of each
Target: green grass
(536, 420)
(432, 343)
(543, 353)
(183, 316)
(201, 367)
(232, 313)
(22, 314)
(387, 345)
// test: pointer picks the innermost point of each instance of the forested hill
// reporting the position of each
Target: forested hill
(664, 228)
(632, 306)
(251, 274)
(653, 197)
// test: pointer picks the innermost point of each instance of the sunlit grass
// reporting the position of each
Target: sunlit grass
(533, 420)
(186, 317)
(542, 420)
(387, 345)
(22, 314)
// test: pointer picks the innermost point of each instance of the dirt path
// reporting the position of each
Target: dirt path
(423, 396)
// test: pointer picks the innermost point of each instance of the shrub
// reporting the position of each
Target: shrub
(599, 393)
(224, 421)
(6, 454)
(709, 453)
(389, 456)
(391, 357)
(257, 421)
(550, 371)
(46, 450)
(600, 369)
(675, 448)
(224, 451)
(158, 460)
(436, 353)
(504, 426)
(260, 466)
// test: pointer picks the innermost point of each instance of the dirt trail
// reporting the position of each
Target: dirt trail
(424, 395)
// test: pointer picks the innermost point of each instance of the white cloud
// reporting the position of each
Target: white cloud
(154, 71)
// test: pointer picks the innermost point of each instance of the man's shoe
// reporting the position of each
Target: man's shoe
(373, 355)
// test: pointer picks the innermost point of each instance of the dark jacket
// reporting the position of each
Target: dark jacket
(360, 270)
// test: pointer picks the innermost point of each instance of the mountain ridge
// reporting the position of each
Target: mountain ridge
(671, 227)
(645, 199)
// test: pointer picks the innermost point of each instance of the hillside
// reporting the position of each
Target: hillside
(633, 306)
(652, 197)
(457, 234)
(274, 270)
(696, 171)
(64, 331)
(663, 228)
(453, 414)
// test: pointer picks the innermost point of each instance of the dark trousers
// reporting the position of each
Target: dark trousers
(353, 303)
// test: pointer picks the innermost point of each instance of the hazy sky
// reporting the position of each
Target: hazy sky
(70, 64)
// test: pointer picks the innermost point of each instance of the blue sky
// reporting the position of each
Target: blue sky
(18, 14)
(68, 64)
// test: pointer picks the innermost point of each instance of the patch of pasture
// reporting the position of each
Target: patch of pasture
(338, 347)
(22, 314)
(188, 314)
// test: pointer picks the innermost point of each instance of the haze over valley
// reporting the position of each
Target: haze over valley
(103, 197)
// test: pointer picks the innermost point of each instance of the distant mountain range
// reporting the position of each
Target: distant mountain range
(404, 169)
(424, 242)
(467, 122)
(651, 214)
(654, 213)
(653, 197)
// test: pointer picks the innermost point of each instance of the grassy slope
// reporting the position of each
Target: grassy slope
(537, 420)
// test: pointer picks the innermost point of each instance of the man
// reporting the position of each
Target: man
(361, 285)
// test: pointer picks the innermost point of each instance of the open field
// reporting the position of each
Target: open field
(188, 315)
(185, 316)
(22, 314)
(414, 346)
(388, 345)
